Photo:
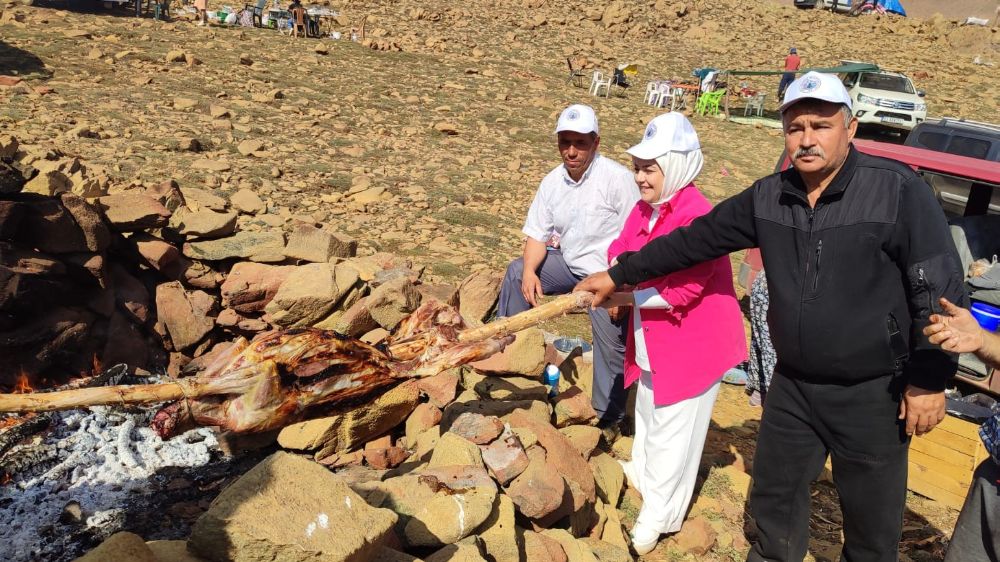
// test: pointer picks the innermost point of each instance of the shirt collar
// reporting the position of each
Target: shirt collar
(586, 173)
(665, 208)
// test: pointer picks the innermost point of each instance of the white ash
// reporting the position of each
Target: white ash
(97, 458)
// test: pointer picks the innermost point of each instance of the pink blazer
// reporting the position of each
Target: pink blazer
(694, 343)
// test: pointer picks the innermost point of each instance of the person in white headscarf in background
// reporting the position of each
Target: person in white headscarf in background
(687, 330)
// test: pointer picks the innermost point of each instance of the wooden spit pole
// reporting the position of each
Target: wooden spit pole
(506, 326)
(96, 396)
(192, 388)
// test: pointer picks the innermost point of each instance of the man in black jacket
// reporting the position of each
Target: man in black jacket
(857, 254)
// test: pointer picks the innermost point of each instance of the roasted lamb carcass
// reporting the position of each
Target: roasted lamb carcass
(287, 376)
(284, 377)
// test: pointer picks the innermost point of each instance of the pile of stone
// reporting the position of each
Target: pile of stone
(482, 462)
(158, 275)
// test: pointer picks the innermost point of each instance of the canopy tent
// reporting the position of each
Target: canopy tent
(892, 6)
(842, 69)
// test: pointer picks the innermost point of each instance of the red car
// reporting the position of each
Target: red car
(983, 177)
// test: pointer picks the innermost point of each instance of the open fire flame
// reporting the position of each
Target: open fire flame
(23, 385)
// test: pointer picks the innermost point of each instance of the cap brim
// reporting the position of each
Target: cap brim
(571, 129)
(645, 151)
(788, 104)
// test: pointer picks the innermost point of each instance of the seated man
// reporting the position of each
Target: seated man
(619, 78)
(298, 22)
(579, 208)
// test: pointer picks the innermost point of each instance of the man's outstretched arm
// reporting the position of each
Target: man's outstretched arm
(727, 228)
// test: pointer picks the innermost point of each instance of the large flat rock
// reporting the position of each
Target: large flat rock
(290, 509)
(120, 547)
(133, 211)
(267, 246)
(306, 296)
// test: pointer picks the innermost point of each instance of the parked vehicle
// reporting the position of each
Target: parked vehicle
(964, 138)
(958, 136)
(887, 99)
(984, 178)
(842, 6)
(89, 4)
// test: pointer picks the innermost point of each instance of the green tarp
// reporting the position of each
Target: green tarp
(853, 67)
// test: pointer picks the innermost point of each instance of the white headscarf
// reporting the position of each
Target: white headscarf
(679, 170)
(672, 142)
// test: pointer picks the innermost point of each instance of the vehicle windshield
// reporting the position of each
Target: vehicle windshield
(886, 82)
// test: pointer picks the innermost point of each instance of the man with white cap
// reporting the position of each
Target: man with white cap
(857, 253)
(578, 210)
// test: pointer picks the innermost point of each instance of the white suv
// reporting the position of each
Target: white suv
(885, 98)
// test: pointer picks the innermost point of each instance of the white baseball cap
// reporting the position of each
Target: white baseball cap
(817, 86)
(669, 132)
(578, 118)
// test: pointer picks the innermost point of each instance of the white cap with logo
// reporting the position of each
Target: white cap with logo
(668, 132)
(578, 118)
(817, 86)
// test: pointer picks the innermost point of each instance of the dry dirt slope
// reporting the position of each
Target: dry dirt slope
(491, 85)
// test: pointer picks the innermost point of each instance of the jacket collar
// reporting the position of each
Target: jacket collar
(792, 184)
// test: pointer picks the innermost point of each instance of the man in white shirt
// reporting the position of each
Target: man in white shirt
(579, 208)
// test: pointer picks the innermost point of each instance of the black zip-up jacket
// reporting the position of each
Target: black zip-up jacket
(852, 281)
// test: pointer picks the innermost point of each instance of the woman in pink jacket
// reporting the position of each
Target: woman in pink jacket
(687, 330)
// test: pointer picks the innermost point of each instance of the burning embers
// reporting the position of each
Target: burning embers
(71, 478)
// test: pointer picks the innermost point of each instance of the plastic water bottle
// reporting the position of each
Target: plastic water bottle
(551, 378)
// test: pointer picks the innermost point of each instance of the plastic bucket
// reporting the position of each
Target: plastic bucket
(988, 316)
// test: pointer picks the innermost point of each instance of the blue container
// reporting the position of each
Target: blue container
(988, 316)
(551, 378)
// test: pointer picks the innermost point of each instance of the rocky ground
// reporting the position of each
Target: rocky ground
(428, 138)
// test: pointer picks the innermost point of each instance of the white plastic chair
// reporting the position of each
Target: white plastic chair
(755, 105)
(597, 82)
(666, 95)
(677, 102)
(652, 94)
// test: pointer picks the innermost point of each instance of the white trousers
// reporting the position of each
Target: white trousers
(666, 454)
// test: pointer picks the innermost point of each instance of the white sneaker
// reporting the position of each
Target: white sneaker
(643, 539)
